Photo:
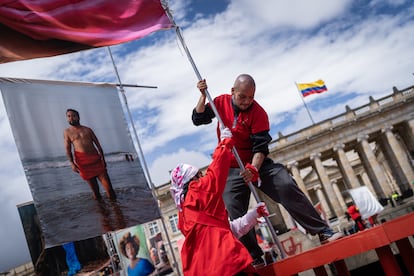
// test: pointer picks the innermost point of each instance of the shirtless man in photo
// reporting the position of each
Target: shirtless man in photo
(87, 158)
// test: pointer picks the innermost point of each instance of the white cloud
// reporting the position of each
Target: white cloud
(297, 13)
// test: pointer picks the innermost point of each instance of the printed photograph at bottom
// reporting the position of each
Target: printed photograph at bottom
(141, 250)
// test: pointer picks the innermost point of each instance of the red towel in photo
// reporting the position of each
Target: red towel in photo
(89, 165)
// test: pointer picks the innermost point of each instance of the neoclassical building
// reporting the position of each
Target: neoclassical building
(372, 146)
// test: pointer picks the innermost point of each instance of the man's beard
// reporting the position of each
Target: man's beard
(74, 123)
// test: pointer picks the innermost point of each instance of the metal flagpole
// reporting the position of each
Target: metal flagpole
(304, 103)
(213, 107)
(135, 85)
(147, 174)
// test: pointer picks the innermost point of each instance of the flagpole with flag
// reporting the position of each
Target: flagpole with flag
(306, 89)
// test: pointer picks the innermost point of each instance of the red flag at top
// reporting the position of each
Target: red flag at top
(41, 28)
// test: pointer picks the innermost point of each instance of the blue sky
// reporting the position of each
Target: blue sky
(359, 48)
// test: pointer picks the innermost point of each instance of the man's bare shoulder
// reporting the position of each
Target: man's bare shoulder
(80, 128)
(66, 132)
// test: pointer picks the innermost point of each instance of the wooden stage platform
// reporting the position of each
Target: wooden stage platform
(378, 238)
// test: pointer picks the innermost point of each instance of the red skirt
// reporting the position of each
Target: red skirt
(89, 165)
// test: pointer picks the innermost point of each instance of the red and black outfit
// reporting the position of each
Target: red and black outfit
(356, 216)
(210, 247)
(250, 130)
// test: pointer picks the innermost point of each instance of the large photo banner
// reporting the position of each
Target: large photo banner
(78, 157)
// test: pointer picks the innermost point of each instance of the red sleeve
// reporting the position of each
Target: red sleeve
(219, 168)
(260, 120)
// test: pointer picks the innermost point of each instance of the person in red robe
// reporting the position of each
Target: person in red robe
(356, 217)
(210, 247)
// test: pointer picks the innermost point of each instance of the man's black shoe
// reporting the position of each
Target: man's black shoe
(258, 263)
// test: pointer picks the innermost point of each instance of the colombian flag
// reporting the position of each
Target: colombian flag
(312, 88)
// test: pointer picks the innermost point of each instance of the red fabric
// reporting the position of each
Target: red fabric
(254, 171)
(210, 248)
(89, 165)
(83, 22)
(356, 216)
(249, 122)
(353, 212)
(373, 219)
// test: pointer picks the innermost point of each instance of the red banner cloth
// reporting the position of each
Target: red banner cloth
(49, 27)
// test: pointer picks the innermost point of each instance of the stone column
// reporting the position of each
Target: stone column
(400, 162)
(372, 167)
(322, 200)
(411, 125)
(339, 195)
(287, 218)
(409, 128)
(326, 183)
(367, 182)
(293, 167)
(347, 172)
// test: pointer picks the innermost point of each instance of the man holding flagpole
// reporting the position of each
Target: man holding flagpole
(250, 126)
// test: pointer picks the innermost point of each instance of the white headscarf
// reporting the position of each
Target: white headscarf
(179, 176)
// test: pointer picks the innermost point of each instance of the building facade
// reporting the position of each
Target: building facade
(372, 146)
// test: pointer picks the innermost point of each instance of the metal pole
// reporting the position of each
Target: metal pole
(213, 107)
(147, 174)
(135, 85)
(304, 103)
